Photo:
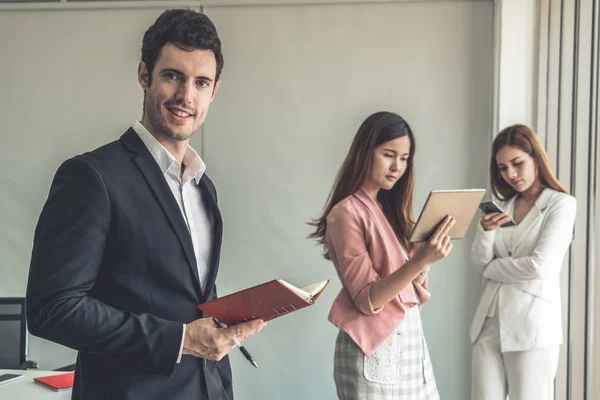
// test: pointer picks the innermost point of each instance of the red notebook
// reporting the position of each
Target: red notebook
(267, 301)
(57, 382)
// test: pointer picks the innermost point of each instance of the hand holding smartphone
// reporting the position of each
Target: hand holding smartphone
(490, 207)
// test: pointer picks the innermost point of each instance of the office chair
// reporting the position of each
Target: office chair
(13, 334)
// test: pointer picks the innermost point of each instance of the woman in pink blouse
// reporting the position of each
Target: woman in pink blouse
(380, 351)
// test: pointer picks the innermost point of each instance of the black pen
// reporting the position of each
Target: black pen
(239, 345)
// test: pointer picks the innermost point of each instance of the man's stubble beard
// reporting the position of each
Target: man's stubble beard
(159, 124)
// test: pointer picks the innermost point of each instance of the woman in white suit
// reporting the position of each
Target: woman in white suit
(517, 328)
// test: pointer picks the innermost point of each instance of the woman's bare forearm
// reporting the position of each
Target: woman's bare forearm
(386, 289)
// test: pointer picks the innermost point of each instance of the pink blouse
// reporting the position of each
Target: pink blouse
(363, 247)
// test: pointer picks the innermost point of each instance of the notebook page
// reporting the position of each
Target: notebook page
(300, 292)
(315, 288)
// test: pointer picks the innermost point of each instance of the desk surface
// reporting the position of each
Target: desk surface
(26, 388)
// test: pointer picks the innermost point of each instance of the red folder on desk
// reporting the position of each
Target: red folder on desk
(57, 382)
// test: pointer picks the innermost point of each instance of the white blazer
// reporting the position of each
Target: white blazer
(526, 276)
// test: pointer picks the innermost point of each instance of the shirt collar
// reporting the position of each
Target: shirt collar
(194, 165)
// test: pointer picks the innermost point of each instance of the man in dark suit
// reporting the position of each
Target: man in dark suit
(129, 239)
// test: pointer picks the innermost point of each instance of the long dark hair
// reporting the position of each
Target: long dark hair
(378, 128)
(525, 139)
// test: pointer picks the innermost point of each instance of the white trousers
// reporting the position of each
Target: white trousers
(522, 375)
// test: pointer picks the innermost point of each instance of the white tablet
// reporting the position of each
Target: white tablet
(459, 204)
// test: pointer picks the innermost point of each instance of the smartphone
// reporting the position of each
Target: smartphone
(490, 207)
(5, 378)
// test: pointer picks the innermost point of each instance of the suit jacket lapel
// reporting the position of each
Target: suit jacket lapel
(161, 190)
(531, 218)
(209, 196)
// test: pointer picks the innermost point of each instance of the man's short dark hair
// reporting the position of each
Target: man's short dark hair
(186, 29)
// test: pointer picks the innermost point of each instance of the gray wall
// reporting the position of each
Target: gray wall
(298, 81)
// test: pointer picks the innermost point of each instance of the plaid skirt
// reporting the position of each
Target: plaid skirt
(400, 369)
